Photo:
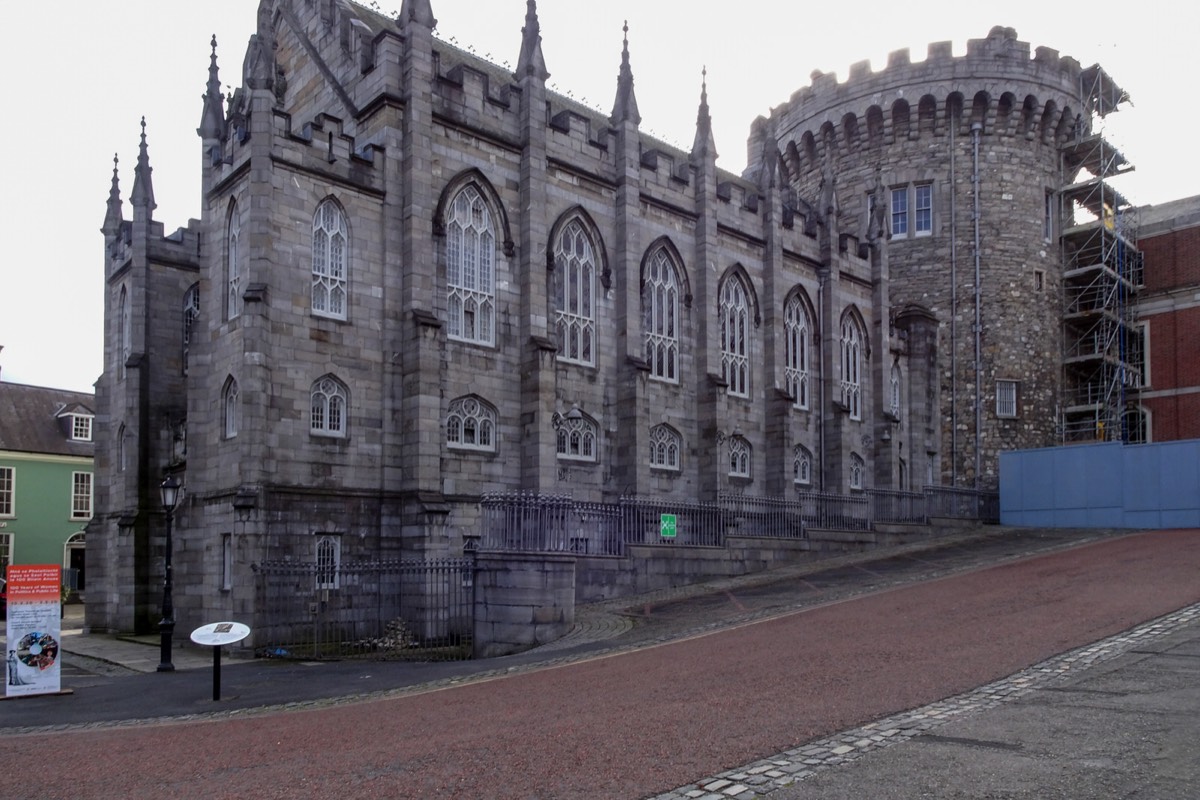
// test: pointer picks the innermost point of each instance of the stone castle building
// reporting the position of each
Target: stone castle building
(419, 277)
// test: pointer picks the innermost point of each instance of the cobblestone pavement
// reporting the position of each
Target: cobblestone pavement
(763, 777)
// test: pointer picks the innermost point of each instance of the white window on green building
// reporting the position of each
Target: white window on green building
(81, 495)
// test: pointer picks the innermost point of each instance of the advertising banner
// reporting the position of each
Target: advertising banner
(34, 629)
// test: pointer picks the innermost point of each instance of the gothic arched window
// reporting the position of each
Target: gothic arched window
(328, 408)
(471, 425)
(851, 364)
(231, 408)
(735, 324)
(575, 295)
(660, 309)
(329, 253)
(796, 351)
(471, 269)
(665, 447)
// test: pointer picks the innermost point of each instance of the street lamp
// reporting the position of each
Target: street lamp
(169, 494)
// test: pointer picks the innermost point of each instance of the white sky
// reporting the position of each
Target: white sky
(82, 73)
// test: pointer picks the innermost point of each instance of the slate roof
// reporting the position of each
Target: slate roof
(32, 420)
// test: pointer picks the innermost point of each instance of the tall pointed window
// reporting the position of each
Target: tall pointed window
(471, 425)
(329, 560)
(660, 309)
(665, 447)
(894, 391)
(851, 364)
(126, 332)
(231, 409)
(235, 279)
(796, 355)
(328, 416)
(329, 261)
(574, 295)
(470, 269)
(735, 323)
(191, 312)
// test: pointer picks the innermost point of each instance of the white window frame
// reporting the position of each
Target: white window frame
(577, 439)
(922, 209)
(327, 557)
(660, 309)
(1007, 393)
(8, 492)
(329, 407)
(898, 205)
(734, 312)
(575, 295)
(81, 495)
(81, 427)
(471, 425)
(801, 466)
(330, 251)
(741, 461)
(1142, 413)
(857, 468)
(234, 277)
(470, 269)
(666, 447)
(796, 354)
(8, 543)
(231, 408)
(851, 377)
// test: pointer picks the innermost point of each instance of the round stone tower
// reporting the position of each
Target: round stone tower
(963, 153)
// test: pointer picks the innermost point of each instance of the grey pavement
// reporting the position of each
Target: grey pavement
(1115, 719)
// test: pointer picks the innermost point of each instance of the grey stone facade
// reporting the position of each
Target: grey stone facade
(392, 126)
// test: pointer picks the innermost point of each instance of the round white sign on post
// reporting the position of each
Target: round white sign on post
(215, 634)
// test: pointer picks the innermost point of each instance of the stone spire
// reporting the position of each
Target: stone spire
(212, 119)
(704, 144)
(531, 61)
(112, 217)
(419, 12)
(143, 189)
(625, 109)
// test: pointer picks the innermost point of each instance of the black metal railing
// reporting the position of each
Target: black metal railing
(411, 610)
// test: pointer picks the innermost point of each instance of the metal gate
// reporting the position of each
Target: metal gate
(412, 610)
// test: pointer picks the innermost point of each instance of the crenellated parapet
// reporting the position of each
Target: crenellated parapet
(998, 84)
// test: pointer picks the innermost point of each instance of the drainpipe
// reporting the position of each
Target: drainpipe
(821, 374)
(976, 128)
(953, 315)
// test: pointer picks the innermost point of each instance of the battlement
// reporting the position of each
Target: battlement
(1001, 86)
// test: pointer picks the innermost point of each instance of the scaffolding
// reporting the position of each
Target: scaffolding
(1102, 272)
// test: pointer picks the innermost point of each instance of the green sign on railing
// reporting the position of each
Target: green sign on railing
(667, 525)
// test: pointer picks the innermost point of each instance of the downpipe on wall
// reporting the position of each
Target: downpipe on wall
(976, 130)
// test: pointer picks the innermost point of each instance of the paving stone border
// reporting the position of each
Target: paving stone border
(759, 778)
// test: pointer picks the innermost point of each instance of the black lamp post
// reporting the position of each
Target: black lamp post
(169, 491)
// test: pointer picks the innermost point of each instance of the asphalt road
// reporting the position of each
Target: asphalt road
(638, 723)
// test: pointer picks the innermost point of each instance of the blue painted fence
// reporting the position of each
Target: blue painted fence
(1103, 485)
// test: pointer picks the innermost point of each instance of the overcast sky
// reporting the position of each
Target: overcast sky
(81, 74)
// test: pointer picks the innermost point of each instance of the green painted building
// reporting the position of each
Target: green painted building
(46, 497)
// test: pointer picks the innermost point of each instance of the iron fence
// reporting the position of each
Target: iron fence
(535, 522)
(889, 505)
(410, 610)
(849, 512)
(955, 503)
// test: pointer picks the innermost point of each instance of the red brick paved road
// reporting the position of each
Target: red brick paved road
(632, 725)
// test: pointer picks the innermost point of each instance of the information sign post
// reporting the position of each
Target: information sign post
(215, 635)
